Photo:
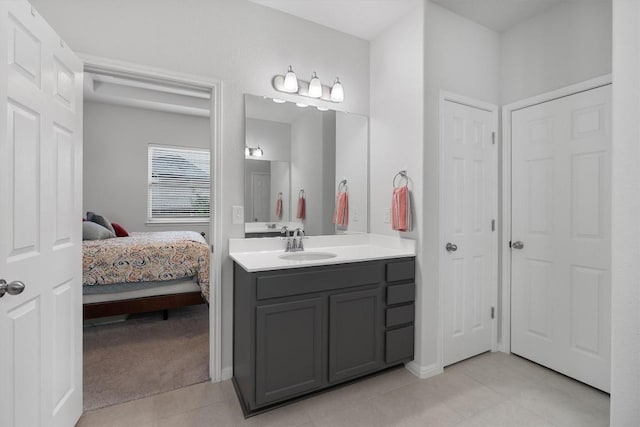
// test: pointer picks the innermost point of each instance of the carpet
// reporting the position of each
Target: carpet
(145, 355)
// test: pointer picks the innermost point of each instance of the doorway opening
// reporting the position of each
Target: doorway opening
(151, 166)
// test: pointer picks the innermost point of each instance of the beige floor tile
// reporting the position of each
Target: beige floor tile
(286, 416)
(186, 399)
(506, 414)
(416, 404)
(215, 415)
(560, 407)
(324, 404)
(361, 414)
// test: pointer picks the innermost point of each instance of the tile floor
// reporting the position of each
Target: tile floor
(493, 389)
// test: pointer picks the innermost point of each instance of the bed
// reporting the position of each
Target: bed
(144, 272)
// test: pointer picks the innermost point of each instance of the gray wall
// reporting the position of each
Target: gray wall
(115, 159)
(240, 42)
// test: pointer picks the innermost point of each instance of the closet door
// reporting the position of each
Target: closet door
(561, 235)
(40, 227)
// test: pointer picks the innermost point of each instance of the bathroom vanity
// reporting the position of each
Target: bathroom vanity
(310, 320)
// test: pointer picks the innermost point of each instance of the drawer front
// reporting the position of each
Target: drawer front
(400, 315)
(398, 294)
(317, 280)
(399, 345)
(404, 270)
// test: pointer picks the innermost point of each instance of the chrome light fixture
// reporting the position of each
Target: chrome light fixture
(290, 81)
(315, 87)
(253, 152)
(337, 91)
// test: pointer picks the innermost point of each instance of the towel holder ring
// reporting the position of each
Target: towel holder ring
(401, 174)
(301, 194)
(342, 184)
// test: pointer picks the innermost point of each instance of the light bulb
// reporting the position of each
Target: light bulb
(290, 81)
(258, 152)
(337, 91)
(315, 87)
(247, 151)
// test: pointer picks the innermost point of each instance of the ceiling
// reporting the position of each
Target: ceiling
(499, 15)
(366, 19)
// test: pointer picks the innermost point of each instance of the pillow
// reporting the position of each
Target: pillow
(120, 231)
(93, 231)
(99, 219)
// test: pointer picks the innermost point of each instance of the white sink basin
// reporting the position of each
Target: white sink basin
(307, 256)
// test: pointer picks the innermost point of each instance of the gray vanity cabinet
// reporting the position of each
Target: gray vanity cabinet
(305, 329)
(354, 334)
(289, 343)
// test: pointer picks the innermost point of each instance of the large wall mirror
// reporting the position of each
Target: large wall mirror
(294, 153)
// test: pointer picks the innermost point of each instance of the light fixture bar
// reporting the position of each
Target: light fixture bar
(303, 89)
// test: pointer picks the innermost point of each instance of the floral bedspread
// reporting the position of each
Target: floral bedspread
(145, 257)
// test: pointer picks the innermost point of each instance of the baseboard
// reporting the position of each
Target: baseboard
(226, 373)
(423, 372)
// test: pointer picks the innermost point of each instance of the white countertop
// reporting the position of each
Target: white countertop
(264, 254)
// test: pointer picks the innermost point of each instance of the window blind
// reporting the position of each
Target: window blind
(179, 184)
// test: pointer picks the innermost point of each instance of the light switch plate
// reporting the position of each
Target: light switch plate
(387, 216)
(237, 215)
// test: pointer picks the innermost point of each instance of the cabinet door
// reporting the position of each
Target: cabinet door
(289, 349)
(354, 334)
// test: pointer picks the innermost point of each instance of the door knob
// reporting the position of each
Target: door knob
(451, 247)
(14, 288)
(517, 245)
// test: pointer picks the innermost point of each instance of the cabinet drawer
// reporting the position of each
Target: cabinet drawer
(298, 283)
(399, 315)
(397, 271)
(399, 344)
(398, 294)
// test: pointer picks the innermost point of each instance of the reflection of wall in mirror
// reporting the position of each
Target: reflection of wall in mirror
(351, 164)
(313, 169)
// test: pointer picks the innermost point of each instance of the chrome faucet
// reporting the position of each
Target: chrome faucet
(298, 235)
(287, 236)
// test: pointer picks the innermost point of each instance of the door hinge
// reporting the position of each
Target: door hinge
(493, 225)
(493, 138)
(493, 312)
(509, 243)
(211, 246)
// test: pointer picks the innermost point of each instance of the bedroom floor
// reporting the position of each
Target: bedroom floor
(145, 355)
(493, 389)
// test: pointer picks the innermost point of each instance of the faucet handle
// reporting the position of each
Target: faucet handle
(285, 231)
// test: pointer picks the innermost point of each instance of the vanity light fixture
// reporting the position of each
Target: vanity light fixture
(290, 81)
(337, 91)
(253, 151)
(279, 100)
(315, 87)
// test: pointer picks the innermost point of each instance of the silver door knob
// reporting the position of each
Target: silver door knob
(14, 288)
(451, 247)
(517, 245)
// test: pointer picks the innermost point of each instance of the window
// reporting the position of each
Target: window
(179, 184)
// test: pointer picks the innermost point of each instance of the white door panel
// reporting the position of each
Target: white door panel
(561, 212)
(470, 189)
(40, 227)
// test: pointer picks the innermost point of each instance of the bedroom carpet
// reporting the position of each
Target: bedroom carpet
(145, 355)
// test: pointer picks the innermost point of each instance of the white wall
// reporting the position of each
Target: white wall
(351, 164)
(280, 183)
(273, 137)
(625, 319)
(116, 139)
(566, 44)
(397, 137)
(240, 42)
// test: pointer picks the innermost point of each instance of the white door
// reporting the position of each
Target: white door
(561, 220)
(260, 197)
(40, 222)
(469, 246)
